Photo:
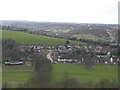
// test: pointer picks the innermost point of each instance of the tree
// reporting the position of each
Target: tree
(10, 50)
(32, 50)
(105, 83)
(89, 60)
(67, 42)
(42, 74)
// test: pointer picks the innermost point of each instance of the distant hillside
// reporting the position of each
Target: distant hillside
(25, 38)
(64, 30)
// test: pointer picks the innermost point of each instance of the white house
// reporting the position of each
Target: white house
(111, 60)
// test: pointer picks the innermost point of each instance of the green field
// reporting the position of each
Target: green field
(14, 68)
(90, 37)
(79, 71)
(13, 73)
(25, 38)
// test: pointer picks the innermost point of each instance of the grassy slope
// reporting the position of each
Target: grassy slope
(90, 37)
(25, 38)
(75, 70)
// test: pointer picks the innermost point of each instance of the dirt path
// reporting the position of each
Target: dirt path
(17, 70)
(14, 82)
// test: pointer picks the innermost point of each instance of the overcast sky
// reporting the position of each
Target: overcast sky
(79, 11)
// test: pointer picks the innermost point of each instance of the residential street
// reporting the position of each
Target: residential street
(111, 36)
(49, 55)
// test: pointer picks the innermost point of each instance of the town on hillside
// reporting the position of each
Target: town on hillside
(71, 54)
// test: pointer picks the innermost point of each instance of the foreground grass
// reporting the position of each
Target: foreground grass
(14, 68)
(19, 73)
(25, 38)
(14, 75)
(109, 72)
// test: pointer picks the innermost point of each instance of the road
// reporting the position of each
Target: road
(49, 55)
(111, 36)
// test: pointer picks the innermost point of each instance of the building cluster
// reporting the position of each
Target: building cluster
(104, 54)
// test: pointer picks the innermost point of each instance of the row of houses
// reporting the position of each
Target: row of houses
(97, 61)
(63, 60)
(62, 47)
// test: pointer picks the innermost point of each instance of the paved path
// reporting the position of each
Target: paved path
(49, 55)
(111, 36)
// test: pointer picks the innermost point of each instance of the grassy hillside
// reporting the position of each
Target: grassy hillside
(90, 37)
(25, 38)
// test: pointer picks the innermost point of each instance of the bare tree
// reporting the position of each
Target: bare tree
(89, 60)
